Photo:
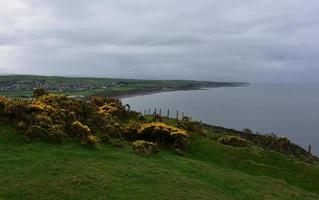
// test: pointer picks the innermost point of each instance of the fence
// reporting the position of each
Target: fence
(167, 113)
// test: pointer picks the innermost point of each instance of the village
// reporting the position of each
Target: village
(13, 85)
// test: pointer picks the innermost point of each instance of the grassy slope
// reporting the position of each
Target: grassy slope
(209, 171)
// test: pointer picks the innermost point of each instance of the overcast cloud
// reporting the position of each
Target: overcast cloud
(229, 40)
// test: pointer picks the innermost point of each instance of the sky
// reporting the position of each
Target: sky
(228, 40)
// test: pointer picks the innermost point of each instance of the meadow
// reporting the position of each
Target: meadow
(209, 170)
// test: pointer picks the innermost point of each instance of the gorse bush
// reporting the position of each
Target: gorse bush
(142, 147)
(113, 107)
(80, 130)
(3, 104)
(16, 108)
(84, 133)
(56, 132)
(55, 117)
(187, 124)
(281, 144)
(160, 133)
(233, 141)
(91, 141)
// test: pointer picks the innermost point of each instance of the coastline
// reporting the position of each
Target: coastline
(237, 130)
(143, 93)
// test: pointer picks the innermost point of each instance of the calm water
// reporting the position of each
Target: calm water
(286, 110)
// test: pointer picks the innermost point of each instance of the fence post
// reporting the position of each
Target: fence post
(168, 113)
(155, 111)
(177, 114)
(160, 112)
(144, 111)
(309, 148)
(149, 111)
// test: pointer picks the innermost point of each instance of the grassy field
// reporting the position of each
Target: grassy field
(126, 87)
(209, 171)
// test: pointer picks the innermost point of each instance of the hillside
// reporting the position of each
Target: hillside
(209, 171)
(23, 85)
(55, 147)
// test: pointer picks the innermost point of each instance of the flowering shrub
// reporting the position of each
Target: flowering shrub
(80, 130)
(233, 141)
(16, 108)
(56, 133)
(187, 124)
(35, 131)
(52, 117)
(55, 117)
(142, 147)
(3, 104)
(111, 106)
(159, 132)
(98, 101)
(91, 141)
(109, 125)
(112, 128)
(130, 131)
(281, 144)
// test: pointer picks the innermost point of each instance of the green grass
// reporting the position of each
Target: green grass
(209, 171)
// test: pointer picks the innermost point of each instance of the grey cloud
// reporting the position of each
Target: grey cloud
(240, 40)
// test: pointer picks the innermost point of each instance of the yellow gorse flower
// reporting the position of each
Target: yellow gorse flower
(158, 126)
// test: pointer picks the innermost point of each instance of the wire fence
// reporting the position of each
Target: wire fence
(174, 114)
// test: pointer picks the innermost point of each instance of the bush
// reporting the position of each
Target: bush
(35, 131)
(113, 107)
(80, 130)
(145, 148)
(17, 109)
(91, 141)
(56, 133)
(130, 131)
(281, 144)
(110, 126)
(54, 117)
(43, 128)
(233, 141)
(98, 101)
(3, 104)
(192, 126)
(159, 133)
(247, 130)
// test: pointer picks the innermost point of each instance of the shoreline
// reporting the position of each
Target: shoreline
(143, 93)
